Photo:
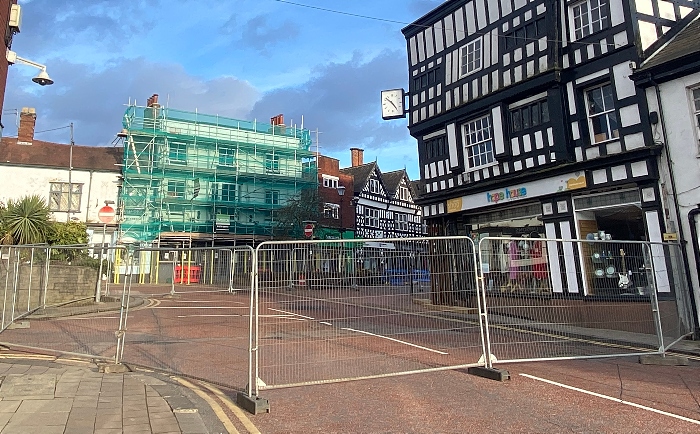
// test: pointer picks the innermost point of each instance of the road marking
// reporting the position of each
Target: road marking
(89, 317)
(395, 340)
(610, 398)
(326, 323)
(291, 313)
(252, 429)
(204, 301)
(201, 307)
(220, 413)
(207, 316)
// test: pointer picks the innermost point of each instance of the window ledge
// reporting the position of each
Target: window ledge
(605, 142)
(476, 169)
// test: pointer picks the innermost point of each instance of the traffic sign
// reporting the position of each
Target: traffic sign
(308, 230)
(106, 214)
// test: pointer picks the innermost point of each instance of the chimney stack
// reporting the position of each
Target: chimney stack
(153, 101)
(27, 122)
(356, 154)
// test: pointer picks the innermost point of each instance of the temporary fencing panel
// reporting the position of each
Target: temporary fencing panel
(553, 299)
(338, 310)
(194, 312)
(55, 289)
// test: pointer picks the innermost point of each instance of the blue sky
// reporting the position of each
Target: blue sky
(247, 59)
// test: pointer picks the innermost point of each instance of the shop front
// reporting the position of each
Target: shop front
(612, 222)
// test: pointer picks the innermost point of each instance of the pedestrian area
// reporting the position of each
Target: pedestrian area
(40, 394)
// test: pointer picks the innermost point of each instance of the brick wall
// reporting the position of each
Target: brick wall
(5, 6)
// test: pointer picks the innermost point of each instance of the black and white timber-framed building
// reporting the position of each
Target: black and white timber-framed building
(527, 121)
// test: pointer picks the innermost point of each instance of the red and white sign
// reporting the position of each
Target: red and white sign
(106, 214)
(308, 230)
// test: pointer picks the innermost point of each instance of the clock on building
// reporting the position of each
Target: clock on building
(393, 104)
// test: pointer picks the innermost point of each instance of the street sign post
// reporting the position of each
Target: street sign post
(308, 230)
(106, 215)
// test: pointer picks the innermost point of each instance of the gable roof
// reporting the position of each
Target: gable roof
(392, 180)
(49, 154)
(685, 43)
(361, 175)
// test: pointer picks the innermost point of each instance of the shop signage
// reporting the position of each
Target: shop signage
(541, 187)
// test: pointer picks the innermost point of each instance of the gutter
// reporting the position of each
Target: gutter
(696, 252)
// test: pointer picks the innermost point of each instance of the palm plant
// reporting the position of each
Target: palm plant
(26, 221)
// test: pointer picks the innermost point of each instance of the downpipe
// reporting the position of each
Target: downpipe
(696, 253)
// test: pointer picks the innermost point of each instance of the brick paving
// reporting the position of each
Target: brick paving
(54, 397)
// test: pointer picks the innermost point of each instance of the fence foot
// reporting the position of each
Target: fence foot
(113, 368)
(253, 404)
(663, 360)
(490, 373)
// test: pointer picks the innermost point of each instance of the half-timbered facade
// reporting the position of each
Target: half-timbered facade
(528, 123)
(384, 206)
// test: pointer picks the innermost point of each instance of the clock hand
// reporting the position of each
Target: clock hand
(391, 102)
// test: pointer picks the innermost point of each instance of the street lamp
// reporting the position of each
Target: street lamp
(42, 79)
(341, 193)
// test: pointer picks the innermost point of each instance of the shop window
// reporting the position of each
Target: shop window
(478, 142)
(470, 58)
(588, 17)
(696, 112)
(525, 34)
(64, 198)
(436, 147)
(529, 116)
(602, 118)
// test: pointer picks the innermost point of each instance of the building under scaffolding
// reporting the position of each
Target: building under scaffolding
(192, 179)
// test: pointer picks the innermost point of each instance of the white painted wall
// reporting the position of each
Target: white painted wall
(683, 148)
(18, 181)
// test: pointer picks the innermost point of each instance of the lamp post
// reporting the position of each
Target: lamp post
(341, 193)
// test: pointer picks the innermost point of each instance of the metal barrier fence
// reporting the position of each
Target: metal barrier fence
(566, 299)
(49, 299)
(192, 314)
(328, 311)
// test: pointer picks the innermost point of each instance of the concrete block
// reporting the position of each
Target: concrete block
(490, 373)
(663, 360)
(252, 404)
(114, 368)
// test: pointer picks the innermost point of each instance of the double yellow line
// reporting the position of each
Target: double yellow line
(216, 407)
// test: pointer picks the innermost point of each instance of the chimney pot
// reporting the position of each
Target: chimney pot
(27, 124)
(357, 156)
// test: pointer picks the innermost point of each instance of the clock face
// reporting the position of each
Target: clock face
(392, 104)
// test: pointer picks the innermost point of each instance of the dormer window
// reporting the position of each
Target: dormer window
(470, 58)
(588, 17)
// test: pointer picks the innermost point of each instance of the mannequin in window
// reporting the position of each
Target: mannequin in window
(539, 267)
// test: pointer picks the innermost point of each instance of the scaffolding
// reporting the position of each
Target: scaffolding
(204, 178)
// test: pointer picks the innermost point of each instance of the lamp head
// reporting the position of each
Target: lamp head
(341, 190)
(42, 79)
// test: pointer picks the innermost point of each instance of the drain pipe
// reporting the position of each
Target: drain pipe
(684, 254)
(696, 252)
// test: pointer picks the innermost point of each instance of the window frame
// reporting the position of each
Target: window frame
(371, 217)
(540, 106)
(603, 7)
(331, 211)
(464, 52)
(59, 192)
(224, 154)
(272, 163)
(436, 147)
(513, 39)
(467, 144)
(179, 155)
(272, 197)
(695, 108)
(607, 112)
(374, 186)
(172, 192)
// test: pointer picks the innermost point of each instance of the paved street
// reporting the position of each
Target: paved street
(204, 335)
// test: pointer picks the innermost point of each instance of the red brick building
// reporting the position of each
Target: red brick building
(338, 210)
